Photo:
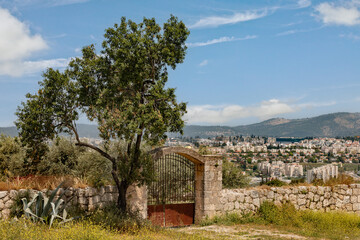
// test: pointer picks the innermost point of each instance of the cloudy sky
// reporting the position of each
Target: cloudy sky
(247, 60)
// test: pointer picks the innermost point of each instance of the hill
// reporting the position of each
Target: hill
(328, 125)
(85, 130)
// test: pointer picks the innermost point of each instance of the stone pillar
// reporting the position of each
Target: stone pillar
(136, 198)
(212, 185)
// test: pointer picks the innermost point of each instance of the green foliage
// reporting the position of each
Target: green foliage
(94, 168)
(204, 150)
(11, 156)
(122, 88)
(329, 225)
(297, 181)
(116, 219)
(61, 159)
(17, 208)
(275, 183)
(46, 209)
(232, 176)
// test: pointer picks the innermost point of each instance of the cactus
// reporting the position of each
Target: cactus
(44, 209)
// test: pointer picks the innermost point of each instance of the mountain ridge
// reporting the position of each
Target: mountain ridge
(326, 125)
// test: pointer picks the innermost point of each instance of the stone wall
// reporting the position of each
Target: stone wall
(340, 197)
(87, 198)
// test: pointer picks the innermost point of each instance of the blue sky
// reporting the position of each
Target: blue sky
(247, 61)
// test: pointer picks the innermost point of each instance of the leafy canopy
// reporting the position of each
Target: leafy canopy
(122, 88)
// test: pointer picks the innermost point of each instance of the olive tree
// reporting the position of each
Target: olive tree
(122, 88)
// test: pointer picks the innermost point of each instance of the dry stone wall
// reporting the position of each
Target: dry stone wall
(340, 197)
(87, 198)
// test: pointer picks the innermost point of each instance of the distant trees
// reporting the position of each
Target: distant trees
(232, 176)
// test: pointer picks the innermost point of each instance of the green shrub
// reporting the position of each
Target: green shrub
(46, 209)
(17, 208)
(12, 156)
(297, 181)
(232, 176)
(111, 216)
(61, 159)
(94, 168)
(275, 183)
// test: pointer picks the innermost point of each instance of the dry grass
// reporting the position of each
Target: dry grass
(41, 182)
(342, 179)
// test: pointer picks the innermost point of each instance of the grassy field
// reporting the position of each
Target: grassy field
(270, 222)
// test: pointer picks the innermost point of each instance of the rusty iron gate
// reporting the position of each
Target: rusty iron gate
(171, 197)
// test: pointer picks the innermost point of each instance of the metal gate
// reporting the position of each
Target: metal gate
(171, 197)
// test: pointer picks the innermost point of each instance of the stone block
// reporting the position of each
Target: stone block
(83, 200)
(349, 191)
(94, 200)
(316, 198)
(256, 202)
(270, 195)
(3, 194)
(320, 190)
(5, 213)
(254, 194)
(356, 206)
(313, 189)
(13, 194)
(292, 197)
(310, 195)
(232, 197)
(356, 191)
(349, 207)
(326, 203)
(240, 197)
(301, 201)
(9, 203)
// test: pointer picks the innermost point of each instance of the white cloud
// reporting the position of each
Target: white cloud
(215, 21)
(50, 3)
(346, 14)
(350, 36)
(222, 114)
(219, 40)
(289, 32)
(17, 44)
(303, 3)
(204, 63)
(293, 31)
(20, 68)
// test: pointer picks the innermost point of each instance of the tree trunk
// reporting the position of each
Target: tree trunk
(121, 203)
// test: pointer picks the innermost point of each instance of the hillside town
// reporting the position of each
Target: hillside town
(282, 158)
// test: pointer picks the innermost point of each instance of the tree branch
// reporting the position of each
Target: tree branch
(79, 143)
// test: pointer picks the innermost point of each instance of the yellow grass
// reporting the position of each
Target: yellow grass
(41, 182)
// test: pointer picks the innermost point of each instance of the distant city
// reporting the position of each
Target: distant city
(264, 158)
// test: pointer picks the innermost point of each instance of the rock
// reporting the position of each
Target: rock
(3, 194)
(5, 213)
(9, 203)
(240, 198)
(270, 195)
(13, 194)
(94, 200)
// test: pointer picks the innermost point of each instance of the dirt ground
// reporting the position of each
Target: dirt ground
(240, 232)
